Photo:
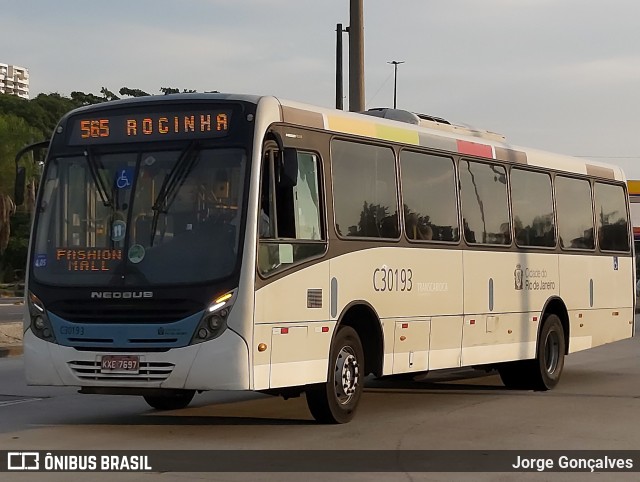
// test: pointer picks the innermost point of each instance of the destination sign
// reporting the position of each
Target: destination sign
(148, 127)
(89, 259)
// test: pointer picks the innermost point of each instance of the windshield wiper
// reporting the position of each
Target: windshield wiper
(171, 184)
(97, 179)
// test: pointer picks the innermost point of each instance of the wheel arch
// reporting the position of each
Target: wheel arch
(556, 306)
(364, 319)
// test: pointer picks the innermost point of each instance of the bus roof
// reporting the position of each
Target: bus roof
(428, 132)
(460, 139)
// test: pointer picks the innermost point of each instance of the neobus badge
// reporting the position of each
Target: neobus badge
(125, 295)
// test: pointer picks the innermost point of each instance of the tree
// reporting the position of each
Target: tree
(14, 258)
(15, 133)
(81, 98)
(7, 208)
(49, 108)
(173, 90)
(41, 113)
(108, 95)
(132, 92)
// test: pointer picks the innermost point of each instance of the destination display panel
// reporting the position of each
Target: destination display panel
(148, 127)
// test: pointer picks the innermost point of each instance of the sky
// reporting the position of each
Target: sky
(556, 75)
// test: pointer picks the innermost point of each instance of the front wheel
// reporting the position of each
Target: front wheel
(543, 372)
(337, 400)
(551, 348)
(173, 400)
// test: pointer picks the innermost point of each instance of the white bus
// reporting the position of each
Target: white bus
(216, 242)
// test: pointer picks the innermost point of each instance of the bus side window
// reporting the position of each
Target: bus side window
(290, 215)
(574, 212)
(364, 190)
(612, 221)
(485, 206)
(429, 197)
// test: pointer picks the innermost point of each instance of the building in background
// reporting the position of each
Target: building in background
(14, 80)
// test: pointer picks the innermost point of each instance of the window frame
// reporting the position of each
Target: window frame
(456, 196)
(554, 212)
(630, 241)
(394, 150)
(271, 145)
(480, 245)
(590, 183)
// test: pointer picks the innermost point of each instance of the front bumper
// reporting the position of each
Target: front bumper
(220, 364)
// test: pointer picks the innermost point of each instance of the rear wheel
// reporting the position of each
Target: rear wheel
(173, 400)
(543, 372)
(337, 400)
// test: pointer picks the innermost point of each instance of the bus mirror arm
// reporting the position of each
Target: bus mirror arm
(21, 171)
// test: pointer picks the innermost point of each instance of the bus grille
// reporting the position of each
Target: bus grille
(148, 372)
(138, 311)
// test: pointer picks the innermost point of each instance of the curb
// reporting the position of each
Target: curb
(11, 339)
(13, 350)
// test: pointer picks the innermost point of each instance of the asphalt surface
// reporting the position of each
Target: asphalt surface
(592, 409)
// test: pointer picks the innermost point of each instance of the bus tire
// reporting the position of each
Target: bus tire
(543, 372)
(551, 349)
(173, 400)
(336, 401)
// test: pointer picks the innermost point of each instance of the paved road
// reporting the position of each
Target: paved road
(11, 310)
(596, 406)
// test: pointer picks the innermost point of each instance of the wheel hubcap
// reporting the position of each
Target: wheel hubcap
(552, 352)
(346, 375)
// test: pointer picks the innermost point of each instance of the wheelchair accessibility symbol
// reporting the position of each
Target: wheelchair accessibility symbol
(124, 178)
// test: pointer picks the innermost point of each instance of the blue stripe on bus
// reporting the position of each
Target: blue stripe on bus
(138, 336)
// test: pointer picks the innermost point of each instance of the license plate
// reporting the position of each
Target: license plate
(120, 364)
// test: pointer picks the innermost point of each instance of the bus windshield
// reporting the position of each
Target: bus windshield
(137, 218)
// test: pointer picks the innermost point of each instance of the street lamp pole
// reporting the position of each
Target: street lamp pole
(395, 64)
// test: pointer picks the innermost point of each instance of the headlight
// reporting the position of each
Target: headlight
(40, 324)
(214, 321)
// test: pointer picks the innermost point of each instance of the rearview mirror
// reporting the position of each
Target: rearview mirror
(288, 168)
(21, 172)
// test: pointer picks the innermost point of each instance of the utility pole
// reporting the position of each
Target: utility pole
(339, 64)
(356, 57)
(395, 64)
